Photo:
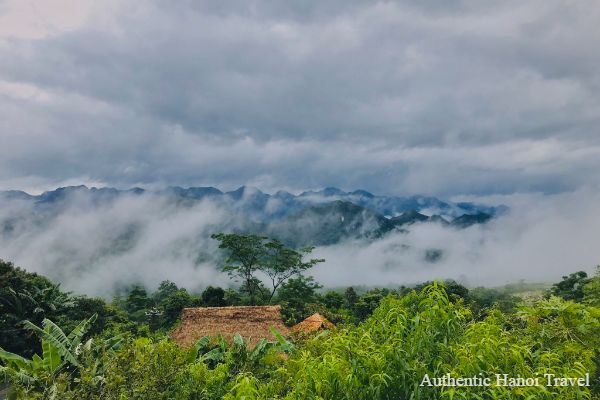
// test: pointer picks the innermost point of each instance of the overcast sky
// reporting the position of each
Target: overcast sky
(444, 97)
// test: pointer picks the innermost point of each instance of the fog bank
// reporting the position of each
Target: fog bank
(541, 239)
(143, 240)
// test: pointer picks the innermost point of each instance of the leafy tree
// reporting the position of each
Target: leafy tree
(173, 305)
(165, 289)
(154, 318)
(351, 297)
(244, 256)
(136, 303)
(294, 296)
(83, 306)
(333, 300)
(26, 296)
(454, 289)
(367, 303)
(571, 287)
(591, 290)
(482, 299)
(213, 297)
(281, 263)
(248, 254)
(256, 293)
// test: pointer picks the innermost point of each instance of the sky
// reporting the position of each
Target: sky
(448, 98)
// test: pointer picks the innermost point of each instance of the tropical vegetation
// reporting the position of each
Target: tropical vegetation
(57, 345)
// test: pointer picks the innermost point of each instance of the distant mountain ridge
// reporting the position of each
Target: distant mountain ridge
(320, 217)
(280, 203)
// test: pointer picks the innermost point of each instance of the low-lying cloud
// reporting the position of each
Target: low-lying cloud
(144, 240)
(135, 240)
(541, 239)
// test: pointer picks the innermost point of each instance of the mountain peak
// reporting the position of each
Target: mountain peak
(60, 193)
(409, 217)
(363, 193)
(332, 191)
(283, 194)
(194, 192)
(245, 191)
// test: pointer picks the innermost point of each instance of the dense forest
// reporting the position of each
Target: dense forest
(60, 345)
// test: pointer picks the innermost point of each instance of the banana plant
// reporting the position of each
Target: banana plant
(239, 352)
(59, 352)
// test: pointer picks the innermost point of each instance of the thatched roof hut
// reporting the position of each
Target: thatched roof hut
(252, 322)
(312, 324)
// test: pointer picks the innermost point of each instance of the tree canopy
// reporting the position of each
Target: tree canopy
(247, 255)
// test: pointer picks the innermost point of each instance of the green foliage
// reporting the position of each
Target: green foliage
(400, 337)
(591, 290)
(571, 287)
(248, 254)
(164, 291)
(368, 303)
(28, 296)
(213, 297)
(333, 300)
(455, 290)
(482, 299)
(153, 368)
(82, 307)
(173, 304)
(351, 297)
(281, 263)
(384, 357)
(244, 256)
(295, 295)
(137, 303)
(388, 355)
(153, 311)
(61, 353)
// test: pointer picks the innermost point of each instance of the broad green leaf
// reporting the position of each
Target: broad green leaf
(51, 357)
(238, 340)
(80, 330)
(15, 359)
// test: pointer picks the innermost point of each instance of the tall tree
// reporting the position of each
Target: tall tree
(248, 254)
(244, 256)
(281, 263)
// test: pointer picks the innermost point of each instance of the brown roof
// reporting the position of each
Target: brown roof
(312, 324)
(252, 322)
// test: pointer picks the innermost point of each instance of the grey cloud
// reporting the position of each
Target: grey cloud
(387, 96)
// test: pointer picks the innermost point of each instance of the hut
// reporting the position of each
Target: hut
(252, 322)
(313, 323)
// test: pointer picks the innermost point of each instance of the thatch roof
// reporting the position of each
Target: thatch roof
(312, 324)
(252, 322)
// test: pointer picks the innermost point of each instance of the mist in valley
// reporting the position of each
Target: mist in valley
(98, 249)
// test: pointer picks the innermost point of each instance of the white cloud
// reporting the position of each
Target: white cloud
(542, 239)
(145, 240)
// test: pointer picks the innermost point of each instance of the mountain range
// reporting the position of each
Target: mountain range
(310, 218)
